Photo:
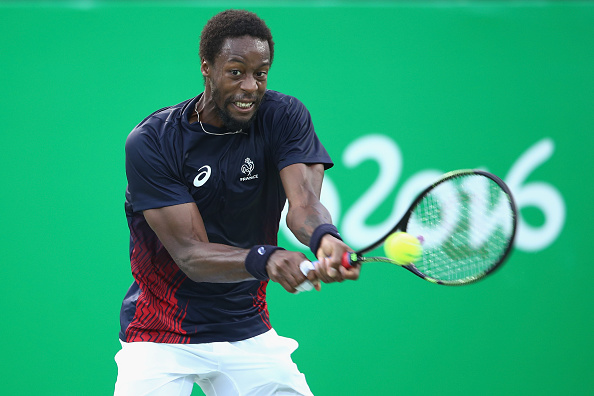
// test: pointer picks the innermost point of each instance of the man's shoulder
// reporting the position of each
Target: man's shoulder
(160, 122)
(277, 106)
(275, 100)
(164, 115)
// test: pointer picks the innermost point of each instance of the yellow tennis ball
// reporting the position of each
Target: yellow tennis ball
(403, 248)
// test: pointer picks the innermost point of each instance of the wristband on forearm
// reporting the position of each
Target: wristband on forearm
(255, 262)
(319, 232)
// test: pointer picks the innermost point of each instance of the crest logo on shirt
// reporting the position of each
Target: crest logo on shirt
(247, 168)
(202, 176)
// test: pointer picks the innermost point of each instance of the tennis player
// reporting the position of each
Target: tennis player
(207, 181)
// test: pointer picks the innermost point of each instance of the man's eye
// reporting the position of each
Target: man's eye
(235, 72)
(261, 74)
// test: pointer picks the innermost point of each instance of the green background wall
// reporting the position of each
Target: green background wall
(433, 86)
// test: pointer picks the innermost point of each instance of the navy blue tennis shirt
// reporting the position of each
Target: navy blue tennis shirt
(234, 180)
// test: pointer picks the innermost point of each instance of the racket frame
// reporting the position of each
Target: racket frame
(350, 259)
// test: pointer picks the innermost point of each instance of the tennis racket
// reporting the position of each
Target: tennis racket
(466, 222)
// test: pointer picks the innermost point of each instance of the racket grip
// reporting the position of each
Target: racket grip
(305, 267)
(347, 262)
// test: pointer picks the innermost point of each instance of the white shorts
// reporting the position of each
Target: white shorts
(260, 366)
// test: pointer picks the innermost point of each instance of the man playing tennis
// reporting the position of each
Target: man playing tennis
(207, 181)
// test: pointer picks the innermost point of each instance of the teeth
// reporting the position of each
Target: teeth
(243, 105)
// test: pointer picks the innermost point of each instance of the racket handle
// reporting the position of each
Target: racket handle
(347, 259)
(305, 267)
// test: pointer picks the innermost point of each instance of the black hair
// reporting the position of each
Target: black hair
(232, 23)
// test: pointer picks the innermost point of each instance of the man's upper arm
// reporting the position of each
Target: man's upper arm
(153, 179)
(303, 186)
(302, 183)
(179, 228)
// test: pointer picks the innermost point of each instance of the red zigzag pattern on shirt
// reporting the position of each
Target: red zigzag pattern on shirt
(158, 317)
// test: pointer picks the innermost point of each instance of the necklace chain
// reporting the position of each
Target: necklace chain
(213, 133)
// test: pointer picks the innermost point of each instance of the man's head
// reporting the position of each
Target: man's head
(236, 51)
(232, 23)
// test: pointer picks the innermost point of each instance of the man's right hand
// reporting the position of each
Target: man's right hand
(283, 268)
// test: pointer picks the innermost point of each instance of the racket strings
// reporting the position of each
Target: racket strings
(466, 225)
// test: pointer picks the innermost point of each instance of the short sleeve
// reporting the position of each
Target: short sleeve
(296, 139)
(153, 181)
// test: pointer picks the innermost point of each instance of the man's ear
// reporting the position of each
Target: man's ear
(204, 68)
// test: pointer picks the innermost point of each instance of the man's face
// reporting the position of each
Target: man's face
(238, 80)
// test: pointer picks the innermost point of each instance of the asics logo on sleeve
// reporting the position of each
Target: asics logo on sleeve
(202, 176)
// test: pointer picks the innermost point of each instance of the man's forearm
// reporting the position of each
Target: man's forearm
(302, 221)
